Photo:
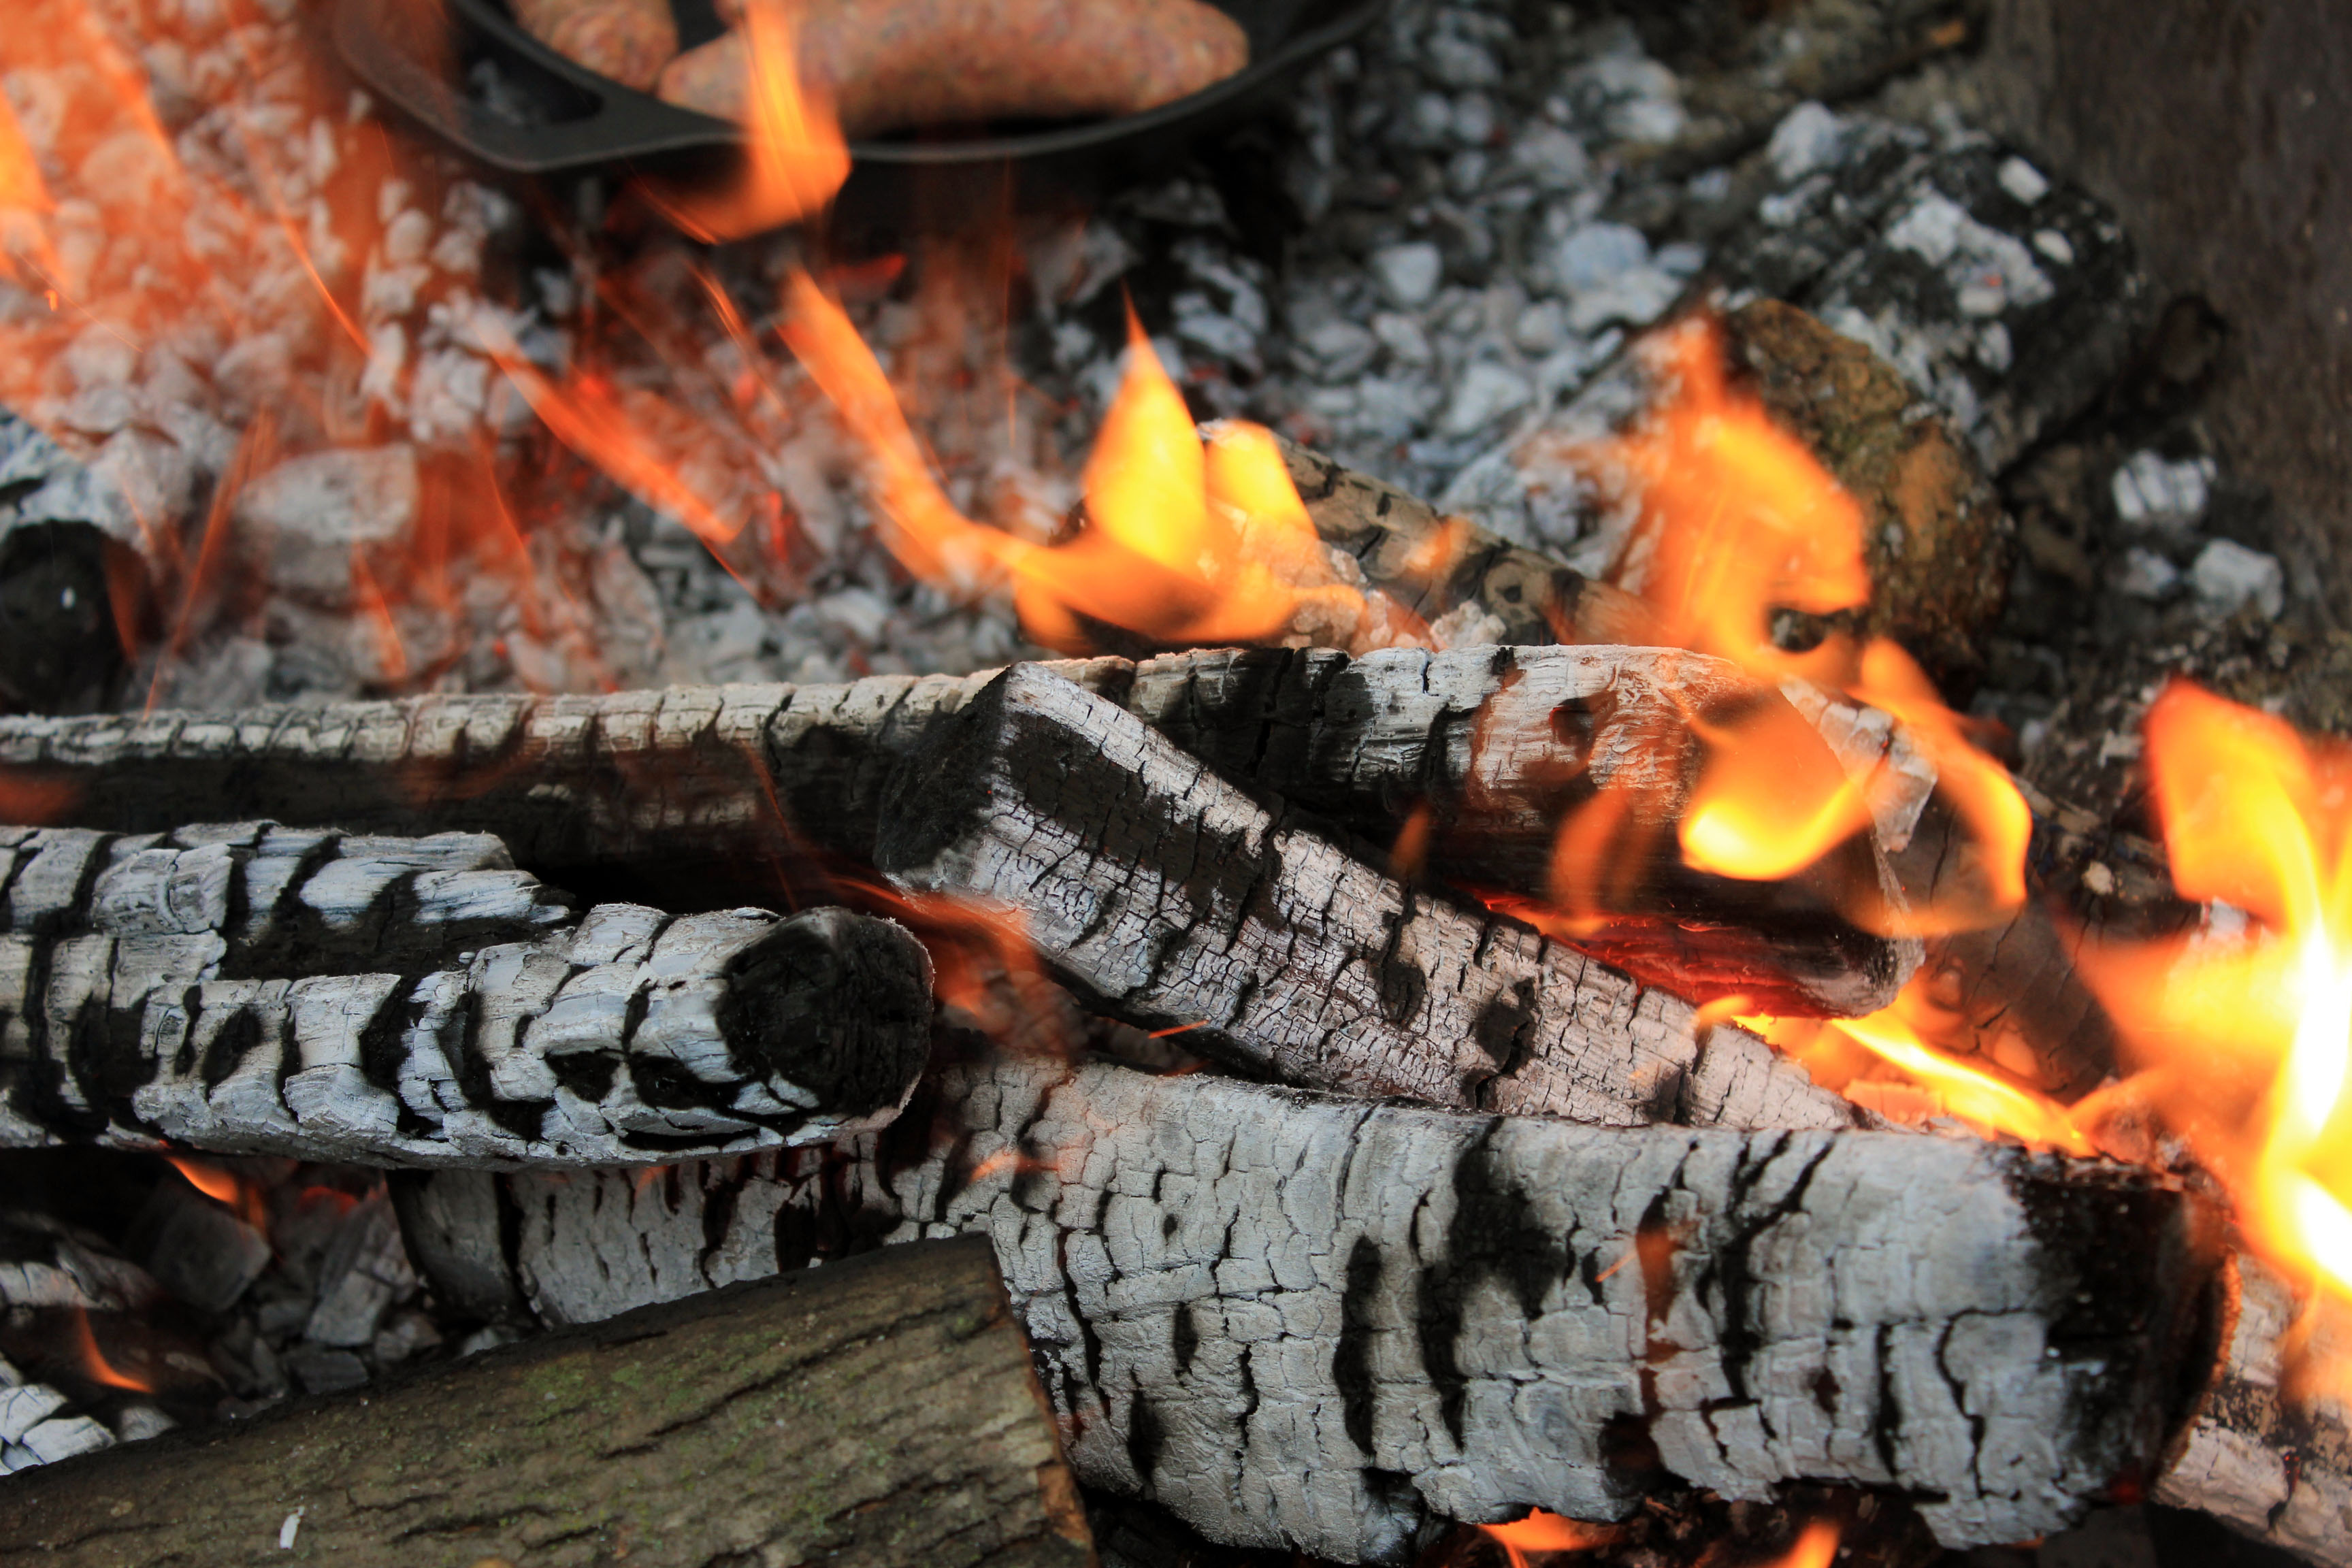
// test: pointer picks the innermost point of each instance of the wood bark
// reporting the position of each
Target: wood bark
(2269, 1449)
(878, 1412)
(1313, 1322)
(256, 989)
(1174, 900)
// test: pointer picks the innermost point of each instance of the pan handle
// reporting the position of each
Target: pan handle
(385, 43)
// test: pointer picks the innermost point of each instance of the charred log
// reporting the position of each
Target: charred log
(1174, 900)
(696, 796)
(2269, 1450)
(699, 1432)
(1488, 750)
(1320, 1323)
(263, 990)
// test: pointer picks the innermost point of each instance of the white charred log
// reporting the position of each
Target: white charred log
(700, 789)
(1318, 1324)
(1174, 900)
(260, 990)
(1492, 747)
(2269, 1449)
(883, 1412)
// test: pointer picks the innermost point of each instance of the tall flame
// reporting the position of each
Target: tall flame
(1189, 539)
(795, 157)
(1740, 523)
(2249, 1043)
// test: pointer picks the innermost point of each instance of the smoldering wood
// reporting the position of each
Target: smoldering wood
(876, 1412)
(1489, 748)
(1172, 900)
(2269, 1448)
(703, 795)
(255, 989)
(1318, 1324)
(1439, 566)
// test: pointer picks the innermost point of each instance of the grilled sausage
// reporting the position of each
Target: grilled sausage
(894, 64)
(628, 40)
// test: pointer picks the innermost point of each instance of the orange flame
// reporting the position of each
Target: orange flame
(794, 158)
(1190, 541)
(1540, 1534)
(2249, 1043)
(94, 1363)
(593, 419)
(215, 1184)
(1945, 1086)
(1816, 1548)
(1738, 522)
(243, 1198)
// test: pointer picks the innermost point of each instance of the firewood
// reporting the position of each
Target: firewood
(256, 989)
(703, 794)
(1438, 565)
(1491, 747)
(2269, 1449)
(877, 1411)
(1174, 900)
(1319, 1323)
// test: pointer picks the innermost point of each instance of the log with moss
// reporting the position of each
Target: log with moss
(874, 1413)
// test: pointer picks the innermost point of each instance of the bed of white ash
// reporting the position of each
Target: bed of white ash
(1432, 269)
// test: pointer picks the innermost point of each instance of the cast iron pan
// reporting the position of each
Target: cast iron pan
(544, 115)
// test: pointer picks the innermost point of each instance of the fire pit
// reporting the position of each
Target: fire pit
(1458, 830)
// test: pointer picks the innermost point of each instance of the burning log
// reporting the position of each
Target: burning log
(2270, 1447)
(259, 989)
(692, 794)
(1177, 902)
(1447, 569)
(1319, 1323)
(38, 1424)
(603, 1433)
(1492, 747)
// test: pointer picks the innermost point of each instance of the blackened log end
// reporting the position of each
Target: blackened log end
(835, 1003)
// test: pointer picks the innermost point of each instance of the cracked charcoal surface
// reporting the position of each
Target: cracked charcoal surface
(1172, 899)
(1301, 1320)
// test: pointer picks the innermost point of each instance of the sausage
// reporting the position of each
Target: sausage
(628, 40)
(891, 65)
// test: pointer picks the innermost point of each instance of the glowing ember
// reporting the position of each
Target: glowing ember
(2248, 1043)
(1540, 1534)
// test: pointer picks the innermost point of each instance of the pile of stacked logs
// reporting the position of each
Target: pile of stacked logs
(1460, 1220)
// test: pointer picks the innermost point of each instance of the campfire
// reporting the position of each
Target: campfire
(710, 860)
